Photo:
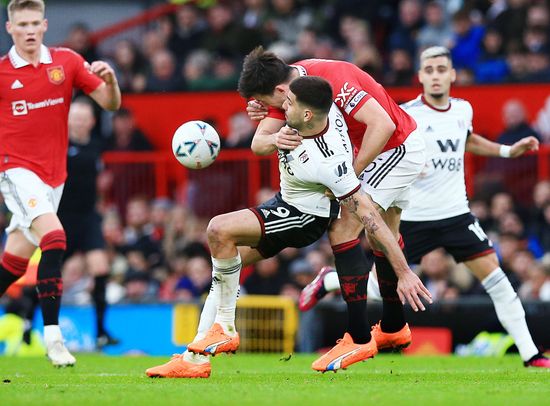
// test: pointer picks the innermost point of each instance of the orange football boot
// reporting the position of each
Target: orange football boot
(345, 353)
(177, 367)
(215, 342)
(398, 340)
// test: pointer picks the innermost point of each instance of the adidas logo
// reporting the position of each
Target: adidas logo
(16, 84)
(429, 129)
(266, 213)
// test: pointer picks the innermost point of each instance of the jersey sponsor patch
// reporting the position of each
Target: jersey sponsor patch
(19, 108)
(345, 94)
(355, 101)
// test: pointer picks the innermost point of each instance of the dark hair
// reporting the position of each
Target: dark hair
(313, 91)
(261, 72)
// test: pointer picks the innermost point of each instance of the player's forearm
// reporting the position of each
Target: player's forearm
(374, 140)
(114, 97)
(361, 207)
(478, 145)
(263, 143)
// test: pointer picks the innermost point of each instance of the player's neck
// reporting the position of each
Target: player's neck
(315, 130)
(439, 103)
(31, 57)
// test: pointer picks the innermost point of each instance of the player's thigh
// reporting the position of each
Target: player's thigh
(285, 226)
(482, 266)
(17, 244)
(28, 198)
(249, 255)
(420, 237)
(464, 239)
(388, 179)
(239, 227)
(97, 262)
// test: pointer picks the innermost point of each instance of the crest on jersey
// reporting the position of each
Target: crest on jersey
(303, 157)
(56, 75)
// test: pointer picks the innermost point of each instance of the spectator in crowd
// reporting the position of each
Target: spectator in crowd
(129, 66)
(514, 117)
(401, 72)
(467, 40)
(436, 30)
(286, 19)
(79, 40)
(225, 35)
(435, 273)
(512, 22)
(126, 136)
(537, 284)
(241, 131)
(491, 66)
(163, 76)
(406, 29)
(266, 279)
(358, 41)
(187, 34)
(522, 263)
(197, 280)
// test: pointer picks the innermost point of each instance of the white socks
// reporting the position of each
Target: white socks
(52, 333)
(225, 287)
(510, 312)
(331, 282)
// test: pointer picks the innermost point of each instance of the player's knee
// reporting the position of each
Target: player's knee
(217, 229)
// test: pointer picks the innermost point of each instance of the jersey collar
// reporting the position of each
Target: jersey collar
(18, 62)
(440, 109)
(301, 70)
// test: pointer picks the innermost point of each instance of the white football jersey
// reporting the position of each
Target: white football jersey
(440, 190)
(320, 162)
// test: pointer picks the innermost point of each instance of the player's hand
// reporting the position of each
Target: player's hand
(410, 288)
(256, 110)
(287, 138)
(524, 145)
(104, 71)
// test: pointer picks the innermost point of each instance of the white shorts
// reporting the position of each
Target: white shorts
(27, 197)
(388, 179)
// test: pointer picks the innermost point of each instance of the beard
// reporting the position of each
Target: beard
(437, 95)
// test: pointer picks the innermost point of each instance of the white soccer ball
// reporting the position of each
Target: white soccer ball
(196, 144)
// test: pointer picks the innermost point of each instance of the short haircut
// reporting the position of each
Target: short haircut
(313, 91)
(434, 52)
(17, 5)
(262, 72)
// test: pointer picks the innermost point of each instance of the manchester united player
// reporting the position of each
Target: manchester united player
(390, 156)
(36, 85)
(440, 215)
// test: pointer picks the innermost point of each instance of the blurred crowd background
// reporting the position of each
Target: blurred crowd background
(157, 247)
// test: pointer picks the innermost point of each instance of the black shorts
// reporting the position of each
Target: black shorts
(461, 236)
(83, 231)
(285, 226)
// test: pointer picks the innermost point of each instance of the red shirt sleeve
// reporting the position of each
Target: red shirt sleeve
(273, 112)
(351, 87)
(83, 78)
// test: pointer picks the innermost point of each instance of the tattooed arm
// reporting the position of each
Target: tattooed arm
(409, 286)
(361, 206)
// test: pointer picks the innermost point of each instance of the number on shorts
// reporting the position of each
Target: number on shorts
(281, 212)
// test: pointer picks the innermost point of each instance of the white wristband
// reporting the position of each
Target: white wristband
(505, 151)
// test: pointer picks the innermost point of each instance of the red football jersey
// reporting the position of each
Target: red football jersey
(351, 88)
(34, 107)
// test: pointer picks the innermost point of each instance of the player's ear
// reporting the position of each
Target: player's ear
(308, 115)
(45, 24)
(453, 75)
(8, 27)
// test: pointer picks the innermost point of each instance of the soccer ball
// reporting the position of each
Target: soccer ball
(196, 144)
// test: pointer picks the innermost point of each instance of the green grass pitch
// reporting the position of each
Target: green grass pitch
(246, 379)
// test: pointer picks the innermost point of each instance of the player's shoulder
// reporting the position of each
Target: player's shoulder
(462, 104)
(414, 103)
(64, 53)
